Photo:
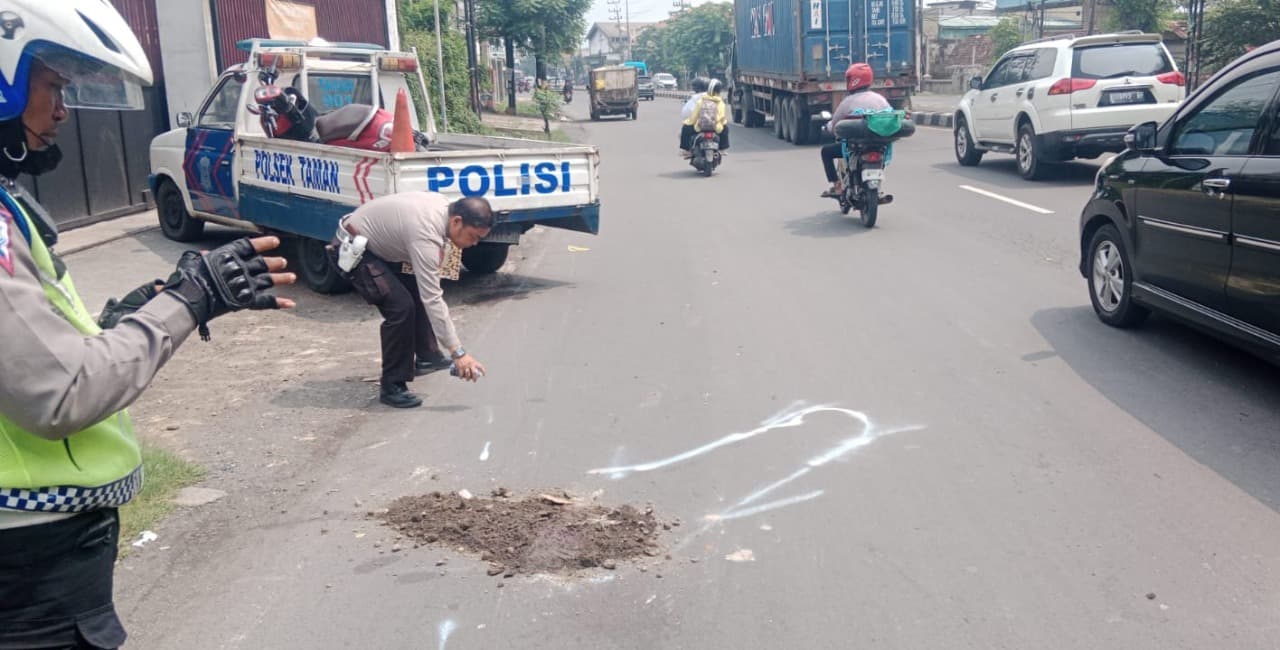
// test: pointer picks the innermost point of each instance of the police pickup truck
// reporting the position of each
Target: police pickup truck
(221, 166)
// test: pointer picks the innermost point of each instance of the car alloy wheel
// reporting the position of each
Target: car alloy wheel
(1108, 276)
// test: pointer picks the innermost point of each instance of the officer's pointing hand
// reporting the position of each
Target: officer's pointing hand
(274, 267)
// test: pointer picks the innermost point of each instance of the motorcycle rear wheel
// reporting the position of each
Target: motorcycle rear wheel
(870, 206)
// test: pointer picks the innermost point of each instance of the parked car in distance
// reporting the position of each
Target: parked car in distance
(1053, 100)
(665, 81)
(645, 86)
(1186, 221)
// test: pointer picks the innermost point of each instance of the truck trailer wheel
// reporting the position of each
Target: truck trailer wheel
(176, 223)
(315, 268)
(750, 117)
(800, 117)
(485, 258)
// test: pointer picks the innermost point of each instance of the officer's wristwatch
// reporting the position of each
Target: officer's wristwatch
(459, 353)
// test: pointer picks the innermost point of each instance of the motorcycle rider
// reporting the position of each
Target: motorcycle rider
(699, 85)
(567, 90)
(858, 79)
(696, 106)
(66, 382)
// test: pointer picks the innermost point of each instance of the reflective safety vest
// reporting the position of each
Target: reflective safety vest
(98, 467)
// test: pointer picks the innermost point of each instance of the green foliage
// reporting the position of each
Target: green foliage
(694, 42)
(548, 103)
(457, 82)
(1232, 27)
(1146, 15)
(544, 28)
(1005, 36)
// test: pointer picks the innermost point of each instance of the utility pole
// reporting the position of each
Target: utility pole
(469, 7)
(444, 108)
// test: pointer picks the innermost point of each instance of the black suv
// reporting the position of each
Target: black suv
(1187, 220)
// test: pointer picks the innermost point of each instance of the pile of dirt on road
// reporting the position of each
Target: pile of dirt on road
(547, 532)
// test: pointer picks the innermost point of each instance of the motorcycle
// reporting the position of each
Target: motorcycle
(861, 170)
(704, 153)
(568, 95)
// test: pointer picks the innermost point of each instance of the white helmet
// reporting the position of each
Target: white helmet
(713, 87)
(86, 41)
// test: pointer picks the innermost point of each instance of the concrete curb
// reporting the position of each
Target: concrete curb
(93, 235)
(944, 120)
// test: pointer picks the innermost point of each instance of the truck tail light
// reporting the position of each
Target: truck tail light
(1068, 86)
(1174, 78)
(281, 60)
(398, 64)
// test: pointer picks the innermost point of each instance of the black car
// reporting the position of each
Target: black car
(645, 85)
(1186, 221)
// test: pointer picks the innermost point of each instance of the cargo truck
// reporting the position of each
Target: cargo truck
(789, 58)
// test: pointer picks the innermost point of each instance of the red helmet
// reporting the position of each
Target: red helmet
(858, 76)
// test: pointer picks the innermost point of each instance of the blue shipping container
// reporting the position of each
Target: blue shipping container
(818, 39)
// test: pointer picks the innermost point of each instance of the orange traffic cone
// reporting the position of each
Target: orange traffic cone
(401, 127)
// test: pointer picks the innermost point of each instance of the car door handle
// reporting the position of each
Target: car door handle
(1216, 183)
(993, 96)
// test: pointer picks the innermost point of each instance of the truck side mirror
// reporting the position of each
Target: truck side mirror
(975, 83)
(185, 120)
(1142, 137)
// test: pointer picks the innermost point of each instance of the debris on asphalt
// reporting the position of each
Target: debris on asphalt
(540, 533)
(741, 555)
(145, 538)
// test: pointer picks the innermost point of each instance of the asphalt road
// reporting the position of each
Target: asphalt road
(943, 447)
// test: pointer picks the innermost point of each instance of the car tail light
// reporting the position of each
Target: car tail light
(873, 157)
(1068, 86)
(1174, 78)
(708, 135)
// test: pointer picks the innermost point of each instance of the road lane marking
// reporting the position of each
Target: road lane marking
(998, 197)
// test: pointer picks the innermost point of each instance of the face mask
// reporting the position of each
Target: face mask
(16, 158)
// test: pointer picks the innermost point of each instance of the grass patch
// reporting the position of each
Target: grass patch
(164, 473)
(557, 135)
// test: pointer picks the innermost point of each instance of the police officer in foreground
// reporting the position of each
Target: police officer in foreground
(68, 455)
(412, 228)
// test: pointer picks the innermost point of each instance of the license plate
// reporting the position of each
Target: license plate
(1119, 97)
(872, 174)
(710, 145)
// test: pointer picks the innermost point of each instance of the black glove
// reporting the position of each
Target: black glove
(131, 302)
(228, 278)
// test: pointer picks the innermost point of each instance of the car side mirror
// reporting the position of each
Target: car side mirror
(975, 83)
(185, 120)
(1142, 137)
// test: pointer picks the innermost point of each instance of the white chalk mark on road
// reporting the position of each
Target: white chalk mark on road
(999, 197)
(446, 628)
(484, 455)
(793, 416)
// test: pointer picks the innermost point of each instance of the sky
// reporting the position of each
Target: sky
(642, 11)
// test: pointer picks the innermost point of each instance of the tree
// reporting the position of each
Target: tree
(417, 29)
(1005, 36)
(545, 28)
(1145, 15)
(1233, 27)
(694, 42)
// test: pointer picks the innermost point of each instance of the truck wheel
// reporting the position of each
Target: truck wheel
(750, 118)
(595, 117)
(635, 112)
(485, 258)
(784, 114)
(176, 223)
(898, 104)
(800, 120)
(315, 268)
(737, 115)
(777, 116)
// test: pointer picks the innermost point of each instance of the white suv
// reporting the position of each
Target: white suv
(1056, 99)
